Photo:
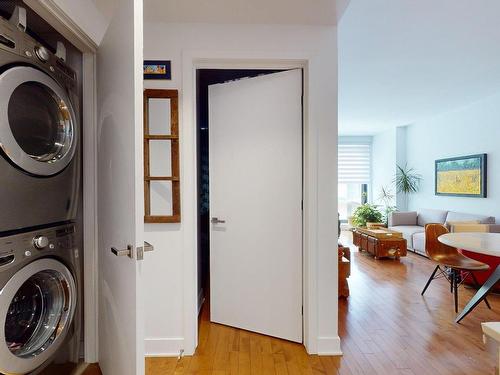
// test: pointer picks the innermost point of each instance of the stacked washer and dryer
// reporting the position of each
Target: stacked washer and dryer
(40, 179)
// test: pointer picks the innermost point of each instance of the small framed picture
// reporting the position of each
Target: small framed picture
(157, 69)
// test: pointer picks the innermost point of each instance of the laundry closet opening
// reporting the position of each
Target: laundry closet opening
(250, 189)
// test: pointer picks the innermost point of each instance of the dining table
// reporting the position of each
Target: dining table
(482, 243)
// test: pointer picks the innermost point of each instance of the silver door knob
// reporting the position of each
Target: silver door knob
(215, 220)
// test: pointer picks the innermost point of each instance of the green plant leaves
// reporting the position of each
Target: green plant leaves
(366, 213)
(407, 180)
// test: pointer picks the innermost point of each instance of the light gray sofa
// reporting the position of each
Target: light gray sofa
(412, 224)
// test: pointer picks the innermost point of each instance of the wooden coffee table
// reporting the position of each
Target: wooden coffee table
(380, 242)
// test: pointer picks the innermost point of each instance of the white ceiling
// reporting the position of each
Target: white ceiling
(402, 60)
(313, 12)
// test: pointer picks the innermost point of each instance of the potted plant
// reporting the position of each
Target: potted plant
(366, 213)
(407, 181)
(387, 197)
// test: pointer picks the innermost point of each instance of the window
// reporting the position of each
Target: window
(354, 173)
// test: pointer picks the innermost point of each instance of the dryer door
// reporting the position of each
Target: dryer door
(36, 310)
(38, 127)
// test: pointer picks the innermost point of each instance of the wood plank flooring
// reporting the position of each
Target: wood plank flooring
(386, 328)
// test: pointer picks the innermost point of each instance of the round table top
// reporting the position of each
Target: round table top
(482, 243)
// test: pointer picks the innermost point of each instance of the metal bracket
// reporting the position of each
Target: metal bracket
(18, 18)
(61, 51)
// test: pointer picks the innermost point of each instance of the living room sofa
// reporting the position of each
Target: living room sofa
(412, 224)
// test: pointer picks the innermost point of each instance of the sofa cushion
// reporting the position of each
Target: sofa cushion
(408, 232)
(428, 216)
(461, 216)
(419, 242)
(403, 218)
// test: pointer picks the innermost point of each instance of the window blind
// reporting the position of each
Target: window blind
(354, 163)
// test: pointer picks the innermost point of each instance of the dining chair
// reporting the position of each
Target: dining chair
(451, 264)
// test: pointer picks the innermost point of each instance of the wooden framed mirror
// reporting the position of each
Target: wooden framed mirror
(161, 157)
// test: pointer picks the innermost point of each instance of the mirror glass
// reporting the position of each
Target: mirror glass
(160, 158)
(159, 116)
(161, 198)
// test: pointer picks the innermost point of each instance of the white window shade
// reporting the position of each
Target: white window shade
(354, 163)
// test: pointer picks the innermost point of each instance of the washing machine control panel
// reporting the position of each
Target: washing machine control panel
(40, 242)
(23, 246)
(46, 56)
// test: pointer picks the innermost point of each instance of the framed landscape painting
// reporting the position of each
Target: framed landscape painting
(463, 176)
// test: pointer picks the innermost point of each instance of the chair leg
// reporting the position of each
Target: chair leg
(430, 279)
(451, 275)
(476, 284)
(455, 288)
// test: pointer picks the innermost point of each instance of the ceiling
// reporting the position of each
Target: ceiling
(308, 12)
(403, 60)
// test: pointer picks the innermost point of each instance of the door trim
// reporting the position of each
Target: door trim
(193, 60)
(51, 12)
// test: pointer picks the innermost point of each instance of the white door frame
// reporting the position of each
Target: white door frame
(55, 16)
(193, 60)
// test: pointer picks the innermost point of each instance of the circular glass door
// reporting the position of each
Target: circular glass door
(37, 124)
(37, 307)
(37, 313)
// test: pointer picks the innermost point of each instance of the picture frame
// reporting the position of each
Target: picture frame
(463, 176)
(158, 69)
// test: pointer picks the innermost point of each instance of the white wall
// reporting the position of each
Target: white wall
(383, 164)
(473, 129)
(83, 16)
(171, 268)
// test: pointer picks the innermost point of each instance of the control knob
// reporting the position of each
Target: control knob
(42, 53)
(40, 242)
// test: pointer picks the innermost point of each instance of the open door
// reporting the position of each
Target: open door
(255, 152)
(120, 192)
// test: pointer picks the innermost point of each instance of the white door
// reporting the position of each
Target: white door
(255, 132)
(120, 191)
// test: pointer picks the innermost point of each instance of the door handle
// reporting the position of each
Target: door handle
(148, 246)
(215, 220)
(142, 249)
(129, 251)
(119, 253)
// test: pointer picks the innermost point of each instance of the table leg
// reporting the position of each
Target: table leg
(480, 295)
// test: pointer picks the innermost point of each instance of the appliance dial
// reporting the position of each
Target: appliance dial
(40, 242)
(42, 53)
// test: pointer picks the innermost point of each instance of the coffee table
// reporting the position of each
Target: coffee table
(380, 242)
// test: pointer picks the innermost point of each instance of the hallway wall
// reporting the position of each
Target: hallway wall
(169, 269)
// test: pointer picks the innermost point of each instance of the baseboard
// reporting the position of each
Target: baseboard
(163, 347)
(329, 346)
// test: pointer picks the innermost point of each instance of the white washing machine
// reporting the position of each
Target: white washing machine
(40, 301)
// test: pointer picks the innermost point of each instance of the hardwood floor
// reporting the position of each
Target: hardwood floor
(385, 325)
